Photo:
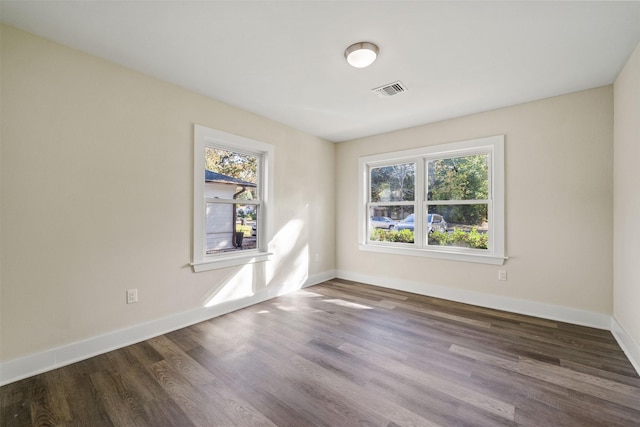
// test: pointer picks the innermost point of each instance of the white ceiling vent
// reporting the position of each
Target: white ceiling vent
(390, 89)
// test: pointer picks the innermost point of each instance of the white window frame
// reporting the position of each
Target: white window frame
(493, 146)
(207, 137)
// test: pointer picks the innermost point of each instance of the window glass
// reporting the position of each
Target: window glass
(395, 226)
(226, 233)
(231, 167)
(458, 178)
(393, 183)
(463, 226)
(464, 183)
(231, 192)
(391, 201)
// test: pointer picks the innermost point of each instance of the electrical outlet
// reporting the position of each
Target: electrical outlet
(132, 296)
(502, 274)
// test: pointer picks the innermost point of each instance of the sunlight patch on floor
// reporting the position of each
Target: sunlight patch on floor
(348, 304)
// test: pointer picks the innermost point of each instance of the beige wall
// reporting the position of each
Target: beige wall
(626, 249)
(97, 185)
(558, 161)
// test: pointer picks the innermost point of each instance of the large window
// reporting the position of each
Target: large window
(231, 199)
(444, 201)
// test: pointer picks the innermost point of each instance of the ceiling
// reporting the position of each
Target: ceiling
(284, 59)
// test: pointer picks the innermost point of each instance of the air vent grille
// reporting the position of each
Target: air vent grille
(390, 89)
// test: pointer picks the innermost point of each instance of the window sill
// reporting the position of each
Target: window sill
(439, 254)
(230, 260)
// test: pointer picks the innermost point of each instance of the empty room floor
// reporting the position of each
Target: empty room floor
(345, 354)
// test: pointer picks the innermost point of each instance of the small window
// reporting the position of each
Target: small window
(231, 194)
(444, 201)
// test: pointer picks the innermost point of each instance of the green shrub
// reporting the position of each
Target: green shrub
(461, 239)
(402, 236)
(478, 240)
(458, 238)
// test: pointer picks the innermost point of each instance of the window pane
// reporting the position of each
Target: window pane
(247, 222)
(459, 178)
(230, 175)
(391, 224)
(463, 226)
(226, 231)
(393, 183)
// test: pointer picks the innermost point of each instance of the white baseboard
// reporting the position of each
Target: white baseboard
(24, 367)
(513, 305)
(630, 347)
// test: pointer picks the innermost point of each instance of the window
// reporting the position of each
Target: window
(231, 199)
(444, 201)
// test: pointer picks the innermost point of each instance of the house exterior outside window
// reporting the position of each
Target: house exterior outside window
(224, 232)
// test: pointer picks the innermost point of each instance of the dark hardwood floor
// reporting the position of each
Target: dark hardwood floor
(345, 354)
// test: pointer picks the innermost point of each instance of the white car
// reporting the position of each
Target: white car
(382, 222)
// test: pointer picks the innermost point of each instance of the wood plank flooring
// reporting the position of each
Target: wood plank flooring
(345, 354)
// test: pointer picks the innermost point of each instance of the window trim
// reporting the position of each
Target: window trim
(494, 145)
(207, 137)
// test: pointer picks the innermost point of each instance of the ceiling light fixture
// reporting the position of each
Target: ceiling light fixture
(361, 54)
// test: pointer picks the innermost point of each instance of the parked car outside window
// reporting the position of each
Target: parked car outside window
(406, 224)
(435, 222)
(382, 222)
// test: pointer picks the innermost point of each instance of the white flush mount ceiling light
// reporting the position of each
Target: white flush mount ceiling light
(361, 54)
